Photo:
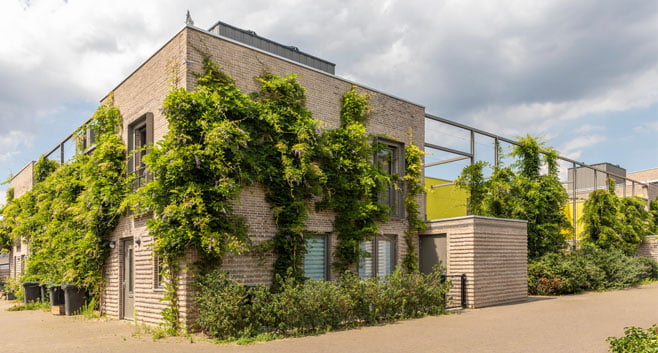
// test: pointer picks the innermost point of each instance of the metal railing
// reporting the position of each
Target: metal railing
(470, 154)
(458, 288)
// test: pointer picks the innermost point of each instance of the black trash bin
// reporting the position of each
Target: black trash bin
(56, 300)
(74, 299)
(56, 295)
(11, 296)
(32, 292)
(44, 293)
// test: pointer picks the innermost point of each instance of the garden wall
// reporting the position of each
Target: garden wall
(649, 247)
(493, 254)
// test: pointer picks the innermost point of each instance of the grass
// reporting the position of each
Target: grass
(263, 337)
(43, 306)
(88, 310)
(648, 281)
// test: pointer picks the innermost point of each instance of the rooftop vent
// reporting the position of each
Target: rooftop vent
(289, 52)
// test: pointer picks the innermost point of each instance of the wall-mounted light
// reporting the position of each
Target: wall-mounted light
(138, 241)
(113, 244)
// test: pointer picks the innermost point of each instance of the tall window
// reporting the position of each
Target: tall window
(158, 277)
(316, 258)
(140, 135)
(390, 158)
(382, 260)
(88, 141)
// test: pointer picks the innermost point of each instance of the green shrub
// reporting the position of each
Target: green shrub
(15, 285)
(556, 274)
(650, 267)
(313, 307)
(589, 268)
(635, 340)
(621, 271)
(223, 310)
(228, 310)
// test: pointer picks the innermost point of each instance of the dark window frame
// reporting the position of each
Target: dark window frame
(374, 255)
(326, 238)
(393, 197)
(144, 126)
(158, 276)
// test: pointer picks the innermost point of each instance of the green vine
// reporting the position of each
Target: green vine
(43, 168)
(412, 176)
(353, 181)
(287, 136)
(71, 210)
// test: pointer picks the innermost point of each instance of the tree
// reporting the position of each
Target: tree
(526, 195)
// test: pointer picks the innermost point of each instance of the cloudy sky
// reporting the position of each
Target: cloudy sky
(582, 75)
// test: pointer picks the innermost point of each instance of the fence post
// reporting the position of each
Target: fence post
(463, 284)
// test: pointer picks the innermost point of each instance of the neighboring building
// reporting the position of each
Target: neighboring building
(22, 182)
(587, 180)
(4, 267)
(133, 288)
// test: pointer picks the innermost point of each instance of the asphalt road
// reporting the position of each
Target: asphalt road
(578, 323)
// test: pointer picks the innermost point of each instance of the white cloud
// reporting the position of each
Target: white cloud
(574, 148)
(511, 67)
(10, 143)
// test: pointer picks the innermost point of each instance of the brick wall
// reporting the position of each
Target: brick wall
(140, 93)
(491, 252)
(649, 247)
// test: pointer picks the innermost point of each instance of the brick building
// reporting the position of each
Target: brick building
(132, 287)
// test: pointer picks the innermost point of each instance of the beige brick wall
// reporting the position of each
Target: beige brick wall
(144, 92)
(491, 252)
(140, 93)
(23, 181)
(649, 247)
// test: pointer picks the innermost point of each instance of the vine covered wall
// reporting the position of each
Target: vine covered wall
(67, 216)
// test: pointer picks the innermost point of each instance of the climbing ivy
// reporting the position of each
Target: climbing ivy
(67, 216)
(353, 181)
(286, 147)
(43, 168)
(413, 188)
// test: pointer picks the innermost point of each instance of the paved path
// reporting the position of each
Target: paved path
(578, 323)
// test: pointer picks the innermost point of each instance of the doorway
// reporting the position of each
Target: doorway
(128, 279)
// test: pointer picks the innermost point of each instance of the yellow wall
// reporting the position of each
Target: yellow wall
(444, 202)
(580, 227)
(450, 201)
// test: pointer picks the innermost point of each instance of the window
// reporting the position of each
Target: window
(140, 135)
(158, 277)
(382, 260)
(390, 158)
(316, 259)
(88, 140)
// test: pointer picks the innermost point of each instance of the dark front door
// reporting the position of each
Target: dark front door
(433, 250)
(128, 279)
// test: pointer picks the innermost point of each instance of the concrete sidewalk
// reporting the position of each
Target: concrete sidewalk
(578, 323)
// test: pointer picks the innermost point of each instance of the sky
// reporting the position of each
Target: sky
(581, 75)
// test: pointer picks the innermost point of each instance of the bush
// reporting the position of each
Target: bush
(15, 285)
(228, 310)
(635, 340)
(589, 268)
(223, 309)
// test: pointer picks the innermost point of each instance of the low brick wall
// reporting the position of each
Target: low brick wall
(649, 247)
(493, 254)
